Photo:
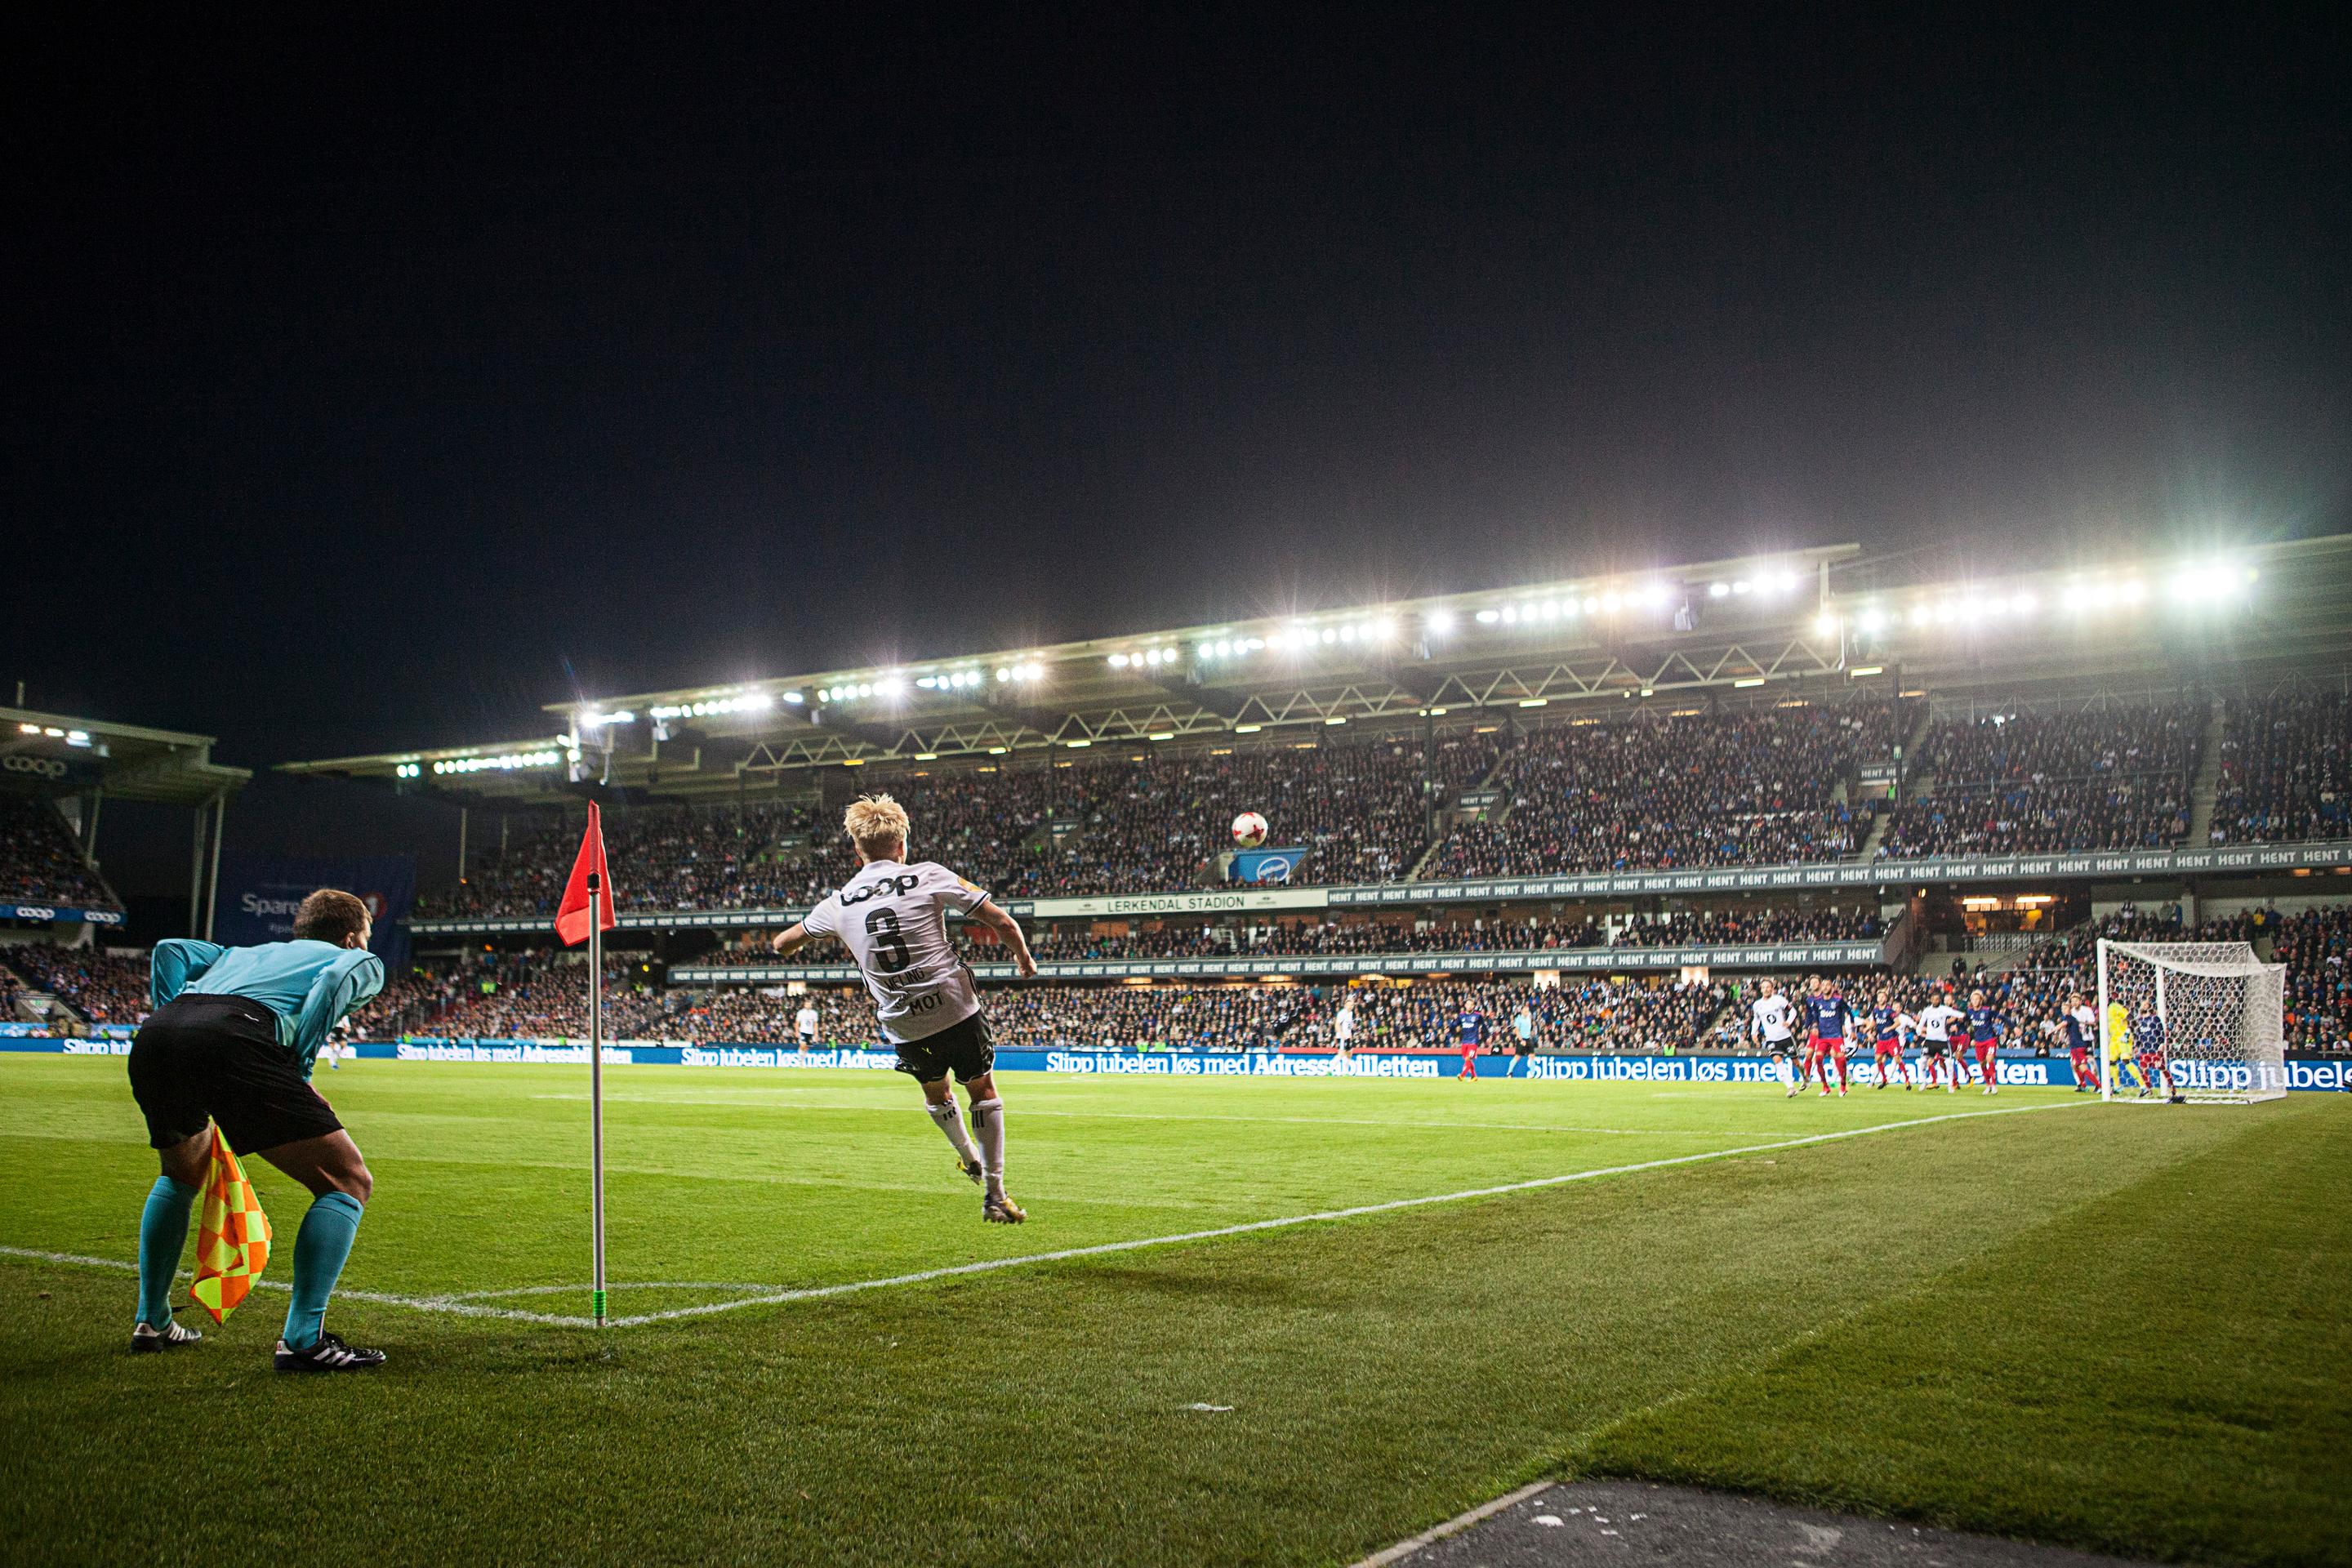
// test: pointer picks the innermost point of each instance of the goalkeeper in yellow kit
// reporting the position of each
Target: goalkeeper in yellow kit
(2121, 1061)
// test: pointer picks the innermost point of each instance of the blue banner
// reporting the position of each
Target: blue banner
(259, 893)
(58, 912)
(1266, 865)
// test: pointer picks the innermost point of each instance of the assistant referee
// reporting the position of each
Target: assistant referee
(230, 1043)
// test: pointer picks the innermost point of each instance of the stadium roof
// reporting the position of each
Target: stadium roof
(1770, 624)
(54, 754)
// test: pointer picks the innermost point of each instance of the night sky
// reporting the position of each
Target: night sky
(368, 391)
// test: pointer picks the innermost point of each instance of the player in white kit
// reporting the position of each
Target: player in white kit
(1773, 1020)
(892, 917)
(806, 1022)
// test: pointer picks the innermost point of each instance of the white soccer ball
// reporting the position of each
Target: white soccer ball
(1249, 830)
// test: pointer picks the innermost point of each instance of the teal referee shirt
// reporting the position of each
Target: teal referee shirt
(309, 986)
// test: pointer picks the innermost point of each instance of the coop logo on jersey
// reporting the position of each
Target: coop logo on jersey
(906, 883)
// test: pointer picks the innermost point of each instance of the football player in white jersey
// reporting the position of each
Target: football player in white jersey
(1773, 1021)
(892, 917)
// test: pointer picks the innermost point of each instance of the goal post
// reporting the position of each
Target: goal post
(2198, 1021)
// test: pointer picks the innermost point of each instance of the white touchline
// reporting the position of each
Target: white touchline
(462, 1307)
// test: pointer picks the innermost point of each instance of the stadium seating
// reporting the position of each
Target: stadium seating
(2285, 770)
(2316, 948)
(1747, 788)
(1134, 825)
(40, 863)
(2091, 779)
(532, 996)
(99, 987)
(1726, 927)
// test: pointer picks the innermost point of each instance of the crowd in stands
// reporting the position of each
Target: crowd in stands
(2285, 770)
(1728, 927)
(1125, 824)
(542, 994)
(2314, 946)
(523, 995)
(99, 986)
(39, 861)
(1749, 787)
(1599, 1014)
(2030, 784)
(1072, 942)
(1745, 788)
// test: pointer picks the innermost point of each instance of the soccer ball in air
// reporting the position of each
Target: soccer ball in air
(1249, 830)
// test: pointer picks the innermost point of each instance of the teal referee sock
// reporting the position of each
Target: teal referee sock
(162, 1231)
(321, 1249)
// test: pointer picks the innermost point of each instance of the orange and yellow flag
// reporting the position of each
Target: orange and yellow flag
(231, 1235)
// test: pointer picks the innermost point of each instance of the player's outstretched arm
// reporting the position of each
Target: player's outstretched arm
(1008, 931)
(790, 940)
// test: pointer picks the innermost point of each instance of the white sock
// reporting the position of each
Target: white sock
(988, 1126)
(944, 1114)
(1781, 1066)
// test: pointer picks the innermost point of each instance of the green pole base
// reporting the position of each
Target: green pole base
(599, 1307)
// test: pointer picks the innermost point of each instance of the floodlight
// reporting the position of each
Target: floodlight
(1718, 590)
(1489, 618)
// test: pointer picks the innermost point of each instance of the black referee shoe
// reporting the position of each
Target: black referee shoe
(146, 1339)
(330, 1354)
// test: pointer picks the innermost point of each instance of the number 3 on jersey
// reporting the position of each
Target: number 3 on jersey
(890, 953)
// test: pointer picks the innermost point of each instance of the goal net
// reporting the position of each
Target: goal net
(2194, 1020)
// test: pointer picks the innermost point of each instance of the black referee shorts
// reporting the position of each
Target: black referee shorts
(218, 1057)
(962, 1048)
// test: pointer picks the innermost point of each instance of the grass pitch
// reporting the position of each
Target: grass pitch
(2114, 1326)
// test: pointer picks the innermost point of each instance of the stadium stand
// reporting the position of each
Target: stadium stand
(1134, 825)
(1072, 942)
(99, 987)
(1612, 1015)
(530, 995)
(2092, 779)
(1724, 928)
(1749, 788)
(39, 862)
(542, 994)
(2285, 770)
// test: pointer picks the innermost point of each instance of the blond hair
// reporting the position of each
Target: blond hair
(876, 823)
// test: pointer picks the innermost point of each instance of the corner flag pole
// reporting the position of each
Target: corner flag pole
(597, 1095)
(585, 911)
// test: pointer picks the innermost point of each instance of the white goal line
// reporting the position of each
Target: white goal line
(470, 1304)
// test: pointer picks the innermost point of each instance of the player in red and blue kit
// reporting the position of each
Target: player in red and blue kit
(1471, 1028)
(2081, 1027)
(1984, 1031)
(1828, 1018)
(1887, 1021)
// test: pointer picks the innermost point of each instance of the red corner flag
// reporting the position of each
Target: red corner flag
(572, 915)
